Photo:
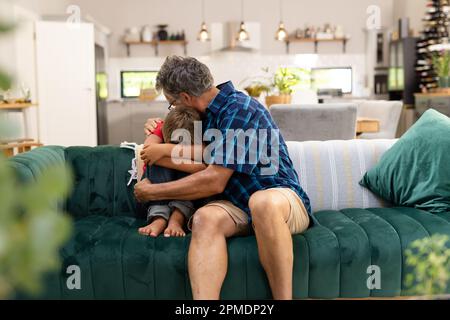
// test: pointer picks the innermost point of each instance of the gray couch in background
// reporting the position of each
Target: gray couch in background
(316, 122)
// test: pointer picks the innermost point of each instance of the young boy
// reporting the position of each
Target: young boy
(169, 216)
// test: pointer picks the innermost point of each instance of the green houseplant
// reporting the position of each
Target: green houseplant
(32, 227)
(429, 258)
(441, 65)
(5, 79)
(256, 85)
(282, 87)
(278, 86)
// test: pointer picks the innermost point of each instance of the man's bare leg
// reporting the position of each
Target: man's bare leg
(208, 256)
(270, 211)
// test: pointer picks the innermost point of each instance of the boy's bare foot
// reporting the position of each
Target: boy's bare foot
(175, 226)
(155, 228)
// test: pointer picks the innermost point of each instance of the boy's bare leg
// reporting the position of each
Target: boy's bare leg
(155, 228)
(175, 226)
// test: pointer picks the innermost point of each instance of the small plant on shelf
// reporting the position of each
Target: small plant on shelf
(441, 65)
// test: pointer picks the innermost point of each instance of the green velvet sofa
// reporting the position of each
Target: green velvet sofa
(331, 260)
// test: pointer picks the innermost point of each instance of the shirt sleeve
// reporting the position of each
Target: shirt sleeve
(158, 130)
(234, 143)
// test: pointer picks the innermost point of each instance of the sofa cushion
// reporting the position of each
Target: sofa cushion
(331, 260)
(415, 171)
(329, 171)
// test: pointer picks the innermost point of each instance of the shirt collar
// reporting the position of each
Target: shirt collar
(221, 99)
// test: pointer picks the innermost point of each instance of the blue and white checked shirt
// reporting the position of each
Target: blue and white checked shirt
(233, 110)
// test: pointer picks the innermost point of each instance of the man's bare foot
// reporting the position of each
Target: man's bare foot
(155, 228)
(175, 226)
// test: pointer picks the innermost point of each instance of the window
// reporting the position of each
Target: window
(332, 78)
(102, 85)
(133, 81)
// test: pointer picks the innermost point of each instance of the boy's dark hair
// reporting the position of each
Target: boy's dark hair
(180, 118)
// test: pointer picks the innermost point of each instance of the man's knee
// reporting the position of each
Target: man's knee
(266, 205)
(206, 220)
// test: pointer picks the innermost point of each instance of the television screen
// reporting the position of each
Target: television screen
(332, 78)
(133, 81)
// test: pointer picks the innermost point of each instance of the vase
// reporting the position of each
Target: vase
(281, 99)
(146, 34)
(162, 32)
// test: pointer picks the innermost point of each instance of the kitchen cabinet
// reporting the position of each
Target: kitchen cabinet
(438, 101)
(126, 119)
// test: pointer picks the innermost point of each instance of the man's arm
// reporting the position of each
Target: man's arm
(208, 182)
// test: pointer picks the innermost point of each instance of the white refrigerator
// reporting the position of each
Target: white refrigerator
(65, 60)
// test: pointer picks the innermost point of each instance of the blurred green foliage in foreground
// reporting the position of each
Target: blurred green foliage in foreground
(430, 260)
(32, 227)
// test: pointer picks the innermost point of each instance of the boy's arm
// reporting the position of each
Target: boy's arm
(191, 167)
(166, 162)
(152, 153)
(152, 139)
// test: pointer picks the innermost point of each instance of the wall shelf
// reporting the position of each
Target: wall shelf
(16, 106)
(316, 42)
(10, 147)
(156, 44)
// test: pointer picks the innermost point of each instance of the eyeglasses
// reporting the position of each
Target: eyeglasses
(171, 105)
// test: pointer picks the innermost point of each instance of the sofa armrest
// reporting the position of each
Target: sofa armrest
(27, 166)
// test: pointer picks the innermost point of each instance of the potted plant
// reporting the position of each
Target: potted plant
(441, 64)
(283, 82)
(256, 85)
(255, 89)
(277, 86)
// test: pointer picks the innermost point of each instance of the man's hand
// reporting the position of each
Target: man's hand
(151, 124)
(141, 190)
(153, 152)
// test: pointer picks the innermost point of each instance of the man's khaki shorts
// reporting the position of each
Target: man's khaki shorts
(298, 219)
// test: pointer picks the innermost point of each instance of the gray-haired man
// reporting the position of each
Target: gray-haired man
(274, 206)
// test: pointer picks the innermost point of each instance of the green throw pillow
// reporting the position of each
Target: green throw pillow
(415, 172)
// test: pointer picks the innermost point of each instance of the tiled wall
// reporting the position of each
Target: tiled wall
(237, 66)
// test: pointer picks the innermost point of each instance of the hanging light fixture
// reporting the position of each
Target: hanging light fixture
(281, 34)
(203, 35)
(242, 33)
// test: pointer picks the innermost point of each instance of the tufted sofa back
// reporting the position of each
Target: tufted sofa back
(329, 172)
(100, 177)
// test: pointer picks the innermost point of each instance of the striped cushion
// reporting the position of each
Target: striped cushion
(330, 171)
